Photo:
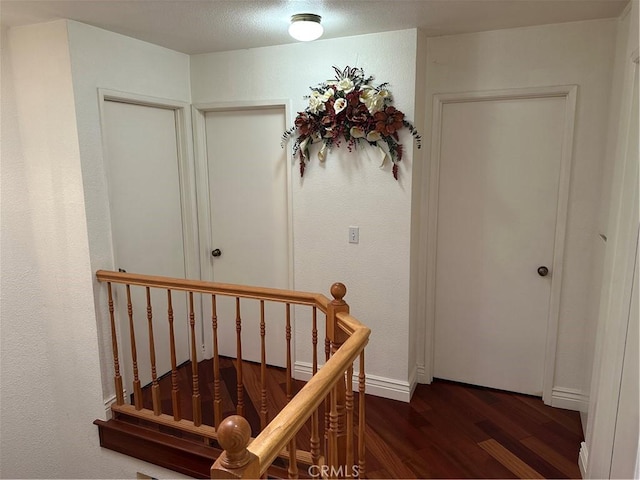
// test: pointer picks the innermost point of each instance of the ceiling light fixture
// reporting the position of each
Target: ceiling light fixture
(305, 27)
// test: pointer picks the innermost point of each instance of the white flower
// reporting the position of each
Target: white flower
(345, 85)
(356, 132)
(316, 104)
(373, 100)
(373, 136)
(339, 105)
(322, 154)
(317, 100)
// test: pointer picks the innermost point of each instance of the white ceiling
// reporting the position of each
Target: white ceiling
(201, 26)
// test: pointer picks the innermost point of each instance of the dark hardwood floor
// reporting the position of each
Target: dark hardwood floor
(448, 430)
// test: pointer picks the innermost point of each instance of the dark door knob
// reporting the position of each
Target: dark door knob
(217, 252)
(543, 271)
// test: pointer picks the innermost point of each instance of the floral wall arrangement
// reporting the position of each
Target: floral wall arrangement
(350, 109)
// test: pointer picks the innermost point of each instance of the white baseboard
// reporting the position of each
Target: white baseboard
(413, 381)
(375, 385)
(569, 399)
(583, 457)
(421, 375)
(110, 401)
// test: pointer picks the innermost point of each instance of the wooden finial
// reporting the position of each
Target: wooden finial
(338, 291)
(234, 434)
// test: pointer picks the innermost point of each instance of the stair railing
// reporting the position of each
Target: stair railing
(334, 450)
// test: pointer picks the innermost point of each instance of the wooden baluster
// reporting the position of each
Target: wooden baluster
(333, 457)
(293, 464)
(264, 414)
(288, 338)
(349, 419)
(217, 398)
(155, 387)
(361, 419)
(235, 461)
(137, 390)
(175, 390)
(240, 384)
(117, 379)
(327, 401)
(315, 436)
(195, 391)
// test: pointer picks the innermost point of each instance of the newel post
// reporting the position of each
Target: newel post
(236, 461)
(335, 335)
(337, 435)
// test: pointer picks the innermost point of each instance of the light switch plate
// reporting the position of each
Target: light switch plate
(354, 234)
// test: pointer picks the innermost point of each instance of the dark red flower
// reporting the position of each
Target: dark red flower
(304, 123)
(388, 121)
(358, 114)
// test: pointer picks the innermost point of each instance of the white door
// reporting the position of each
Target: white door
(249, 221)
(497, 206)
(146, 222)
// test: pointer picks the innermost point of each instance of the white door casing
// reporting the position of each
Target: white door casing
(244, 198)
(556, 101)
(147, 153)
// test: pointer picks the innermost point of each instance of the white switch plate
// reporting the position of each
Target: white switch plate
(354, 234)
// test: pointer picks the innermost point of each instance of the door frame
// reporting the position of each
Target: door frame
(198, 112)
(186, 174)
(428, 248)
(186, 170)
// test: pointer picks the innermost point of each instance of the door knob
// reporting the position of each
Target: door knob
(216, 253)
(543, 271)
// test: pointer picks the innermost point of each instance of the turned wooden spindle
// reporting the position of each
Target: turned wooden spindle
(361, 418)
(137, 388)
(195, 389)
(117, 378)
(288, 339)
(349, 417)
(217, 397)
(155, 386)
(314, 441)
(240, 380)
(175, 390)
(264, 416)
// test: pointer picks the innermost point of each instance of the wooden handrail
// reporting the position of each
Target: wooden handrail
(347, 323)
(268, 445)
(226, 289)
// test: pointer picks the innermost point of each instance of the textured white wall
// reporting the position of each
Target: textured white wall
(349, 189)
(103, 59)
(51, 388)
(573, 53)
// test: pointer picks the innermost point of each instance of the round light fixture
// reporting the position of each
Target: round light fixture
(305, 27)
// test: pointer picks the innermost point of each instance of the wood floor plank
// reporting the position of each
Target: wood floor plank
(509, 460)
(569, 468)
(546, 469)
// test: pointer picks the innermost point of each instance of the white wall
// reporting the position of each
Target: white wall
(349, 189)
(573, 53)
(103, 59)
(619, 220)
(51, 388)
